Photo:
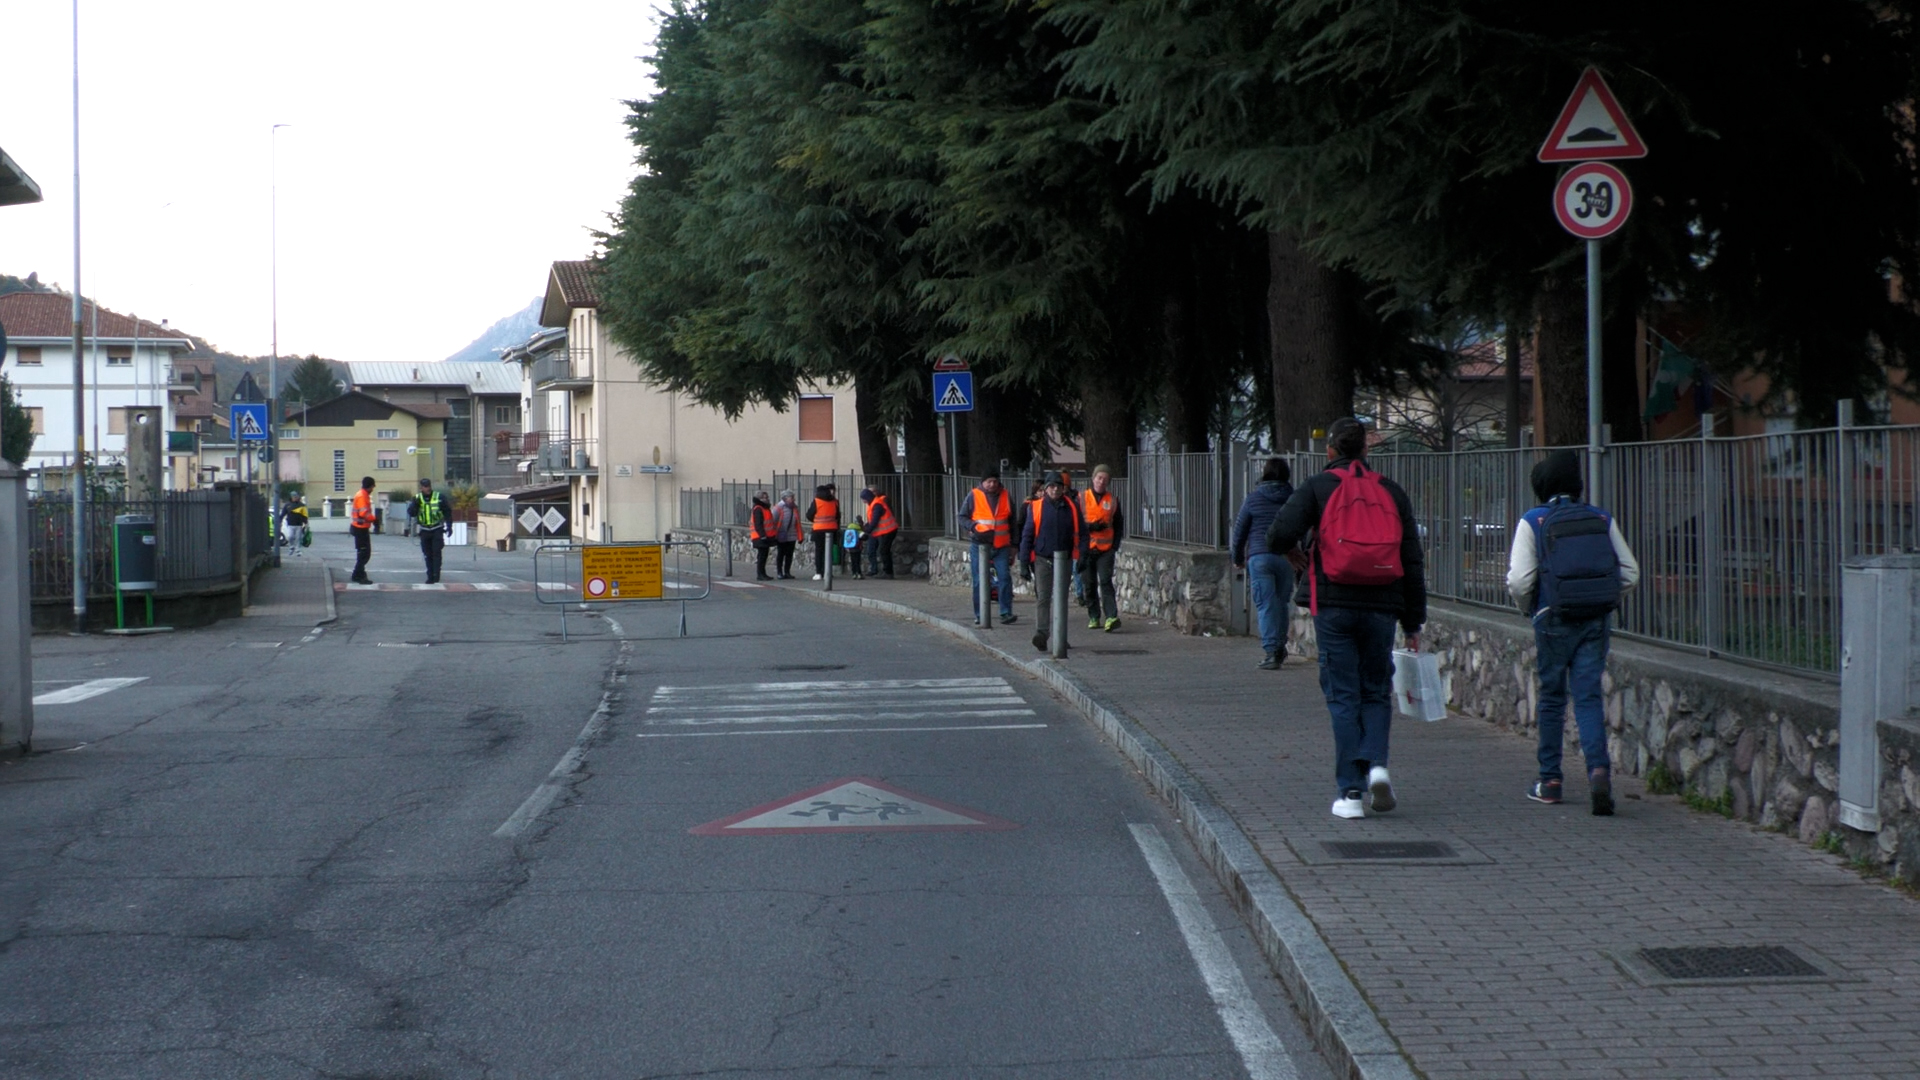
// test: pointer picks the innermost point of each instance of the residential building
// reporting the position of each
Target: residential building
(127, 363)
(356, 435)
(483, 401)
(626, 447)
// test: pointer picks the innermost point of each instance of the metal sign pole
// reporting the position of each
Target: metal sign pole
(1062, 566)
(1594, 448)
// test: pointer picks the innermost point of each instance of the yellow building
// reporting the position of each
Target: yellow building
(332, 446)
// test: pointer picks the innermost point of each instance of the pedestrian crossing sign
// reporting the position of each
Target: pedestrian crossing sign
(952, 391)
(249, 421)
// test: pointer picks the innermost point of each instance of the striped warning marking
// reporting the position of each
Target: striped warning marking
(92, 688)
(444, 586)
(836, 702)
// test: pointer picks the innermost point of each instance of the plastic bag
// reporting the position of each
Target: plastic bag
(306, 536)
(1417, 689)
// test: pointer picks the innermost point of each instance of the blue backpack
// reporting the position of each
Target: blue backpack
(1579, 572)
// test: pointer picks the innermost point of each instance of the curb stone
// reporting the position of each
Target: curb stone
(1344, 1027)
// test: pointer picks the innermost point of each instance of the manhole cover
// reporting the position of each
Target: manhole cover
(1730, 962)
(1388, 849)
(809, 667)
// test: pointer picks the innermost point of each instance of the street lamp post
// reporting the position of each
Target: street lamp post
(77, 479)
(273, 358)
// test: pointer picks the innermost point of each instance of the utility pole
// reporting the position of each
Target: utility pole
(77, 480)
(273, 358)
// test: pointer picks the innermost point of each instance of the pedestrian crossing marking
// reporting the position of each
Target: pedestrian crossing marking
(953, 397)
(442, 586)
(92, 688)
(835, 702)
(249, 426)
(853, 804)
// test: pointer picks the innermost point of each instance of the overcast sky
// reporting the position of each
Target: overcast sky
(441, 155)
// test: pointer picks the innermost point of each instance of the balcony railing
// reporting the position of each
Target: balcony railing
(571, 369)
(563, 456)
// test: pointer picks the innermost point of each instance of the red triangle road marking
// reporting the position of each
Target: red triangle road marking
(853, 804)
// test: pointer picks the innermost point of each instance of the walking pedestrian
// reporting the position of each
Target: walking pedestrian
(1052, 528)
(360, 527)
(760, 533)
(1365, 571)
(824, 517)
(1568, 569)
(1269, 573)
(430, 513)
(882, 525)
(1106, 527)
(786, 533)
(293, 521)
(988, 516)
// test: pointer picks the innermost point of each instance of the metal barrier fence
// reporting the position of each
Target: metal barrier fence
(193, 533)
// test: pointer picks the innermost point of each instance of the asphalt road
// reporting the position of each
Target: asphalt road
(431, 840)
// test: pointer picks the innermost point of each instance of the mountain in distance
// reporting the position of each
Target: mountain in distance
(505, 334)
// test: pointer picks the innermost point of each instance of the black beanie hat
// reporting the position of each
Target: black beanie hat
(1557, 474)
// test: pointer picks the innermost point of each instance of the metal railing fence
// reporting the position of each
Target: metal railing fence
(193, 533)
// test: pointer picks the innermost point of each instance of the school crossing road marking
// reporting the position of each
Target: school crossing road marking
(93, 688)
(863, 701)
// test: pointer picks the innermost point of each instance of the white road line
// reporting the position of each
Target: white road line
(83, 691)
(571, 761)
(832, 731)
(738, 584)
(1260, 1049)
(832, 718)
(803, 704)
(491, 586)
(870, 684)
(435, 587)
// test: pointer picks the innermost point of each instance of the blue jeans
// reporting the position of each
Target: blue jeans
(1573, 656)
(1003, 577)
(1356, 675)
(1272, 579)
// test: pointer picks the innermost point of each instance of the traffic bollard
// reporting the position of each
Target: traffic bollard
(1062, 571)
(983, 585)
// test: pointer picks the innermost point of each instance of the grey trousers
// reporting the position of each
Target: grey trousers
(1043, 592)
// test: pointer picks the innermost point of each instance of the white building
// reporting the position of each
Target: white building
(127, 363)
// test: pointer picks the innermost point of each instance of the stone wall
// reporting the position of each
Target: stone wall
(1189, 589)
(910, 554)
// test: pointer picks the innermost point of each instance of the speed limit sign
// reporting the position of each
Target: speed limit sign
(1592, 200)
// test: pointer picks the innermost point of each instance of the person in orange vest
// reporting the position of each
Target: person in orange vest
(760, 533)
(1106, 526)
(824, 516)
(988, 517)
(1053, 527)
(360, 527)
(882, 524)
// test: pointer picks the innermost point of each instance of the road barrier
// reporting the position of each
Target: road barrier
(570, 572)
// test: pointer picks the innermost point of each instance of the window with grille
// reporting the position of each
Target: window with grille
(339, 470)
(387, 459)
(816, 419)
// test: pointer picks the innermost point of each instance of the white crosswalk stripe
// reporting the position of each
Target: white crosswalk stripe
(836, 702)
(67, 695)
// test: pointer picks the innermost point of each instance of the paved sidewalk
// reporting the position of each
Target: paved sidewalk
(1502, 963)
(299, 589)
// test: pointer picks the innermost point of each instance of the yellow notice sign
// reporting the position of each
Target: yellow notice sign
(621, 573)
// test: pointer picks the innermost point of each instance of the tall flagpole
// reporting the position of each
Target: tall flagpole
(77, 479)
(273, 358)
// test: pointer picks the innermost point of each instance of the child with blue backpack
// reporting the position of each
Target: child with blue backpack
(1568, 569)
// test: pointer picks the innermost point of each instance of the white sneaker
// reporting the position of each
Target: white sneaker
(1381, 788)
(1349, 806)
(816, 577)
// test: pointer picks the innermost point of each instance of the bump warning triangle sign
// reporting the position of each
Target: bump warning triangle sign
(1592, 126)
(855, 804)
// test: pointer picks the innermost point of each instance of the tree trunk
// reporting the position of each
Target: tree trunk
(1561, 367)
(1620, 357)
(999, 427)
(1106, 418)
(1186, 399)
(876, 437)
(923, 439)
(1308, 311)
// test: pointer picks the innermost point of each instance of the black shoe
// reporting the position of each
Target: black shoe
(1040, 642)
(1271, 662)
(1600, 786)
(1545, 791)
(1009, 619)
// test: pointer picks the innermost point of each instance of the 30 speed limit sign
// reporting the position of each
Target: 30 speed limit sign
(1592, 200)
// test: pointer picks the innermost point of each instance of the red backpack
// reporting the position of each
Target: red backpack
(1358, 538)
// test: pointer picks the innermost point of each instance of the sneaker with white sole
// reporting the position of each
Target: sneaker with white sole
(1381, 788)
(1349, 806)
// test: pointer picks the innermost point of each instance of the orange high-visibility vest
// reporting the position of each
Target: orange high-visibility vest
(362, 510)
(826, 515)
(880, 519)
(1098, 510)
(1000, 515)
(759, 525)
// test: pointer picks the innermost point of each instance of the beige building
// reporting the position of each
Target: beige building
(627, 447)
(358, 435)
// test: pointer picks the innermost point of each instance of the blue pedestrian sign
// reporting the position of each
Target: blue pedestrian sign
(952, 391)
(249, 421)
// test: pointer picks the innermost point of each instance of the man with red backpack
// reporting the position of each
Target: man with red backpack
(1366, 573)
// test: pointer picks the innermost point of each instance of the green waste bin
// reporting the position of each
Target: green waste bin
(135, 554)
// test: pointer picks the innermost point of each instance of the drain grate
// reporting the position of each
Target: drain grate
(1388, 849)
(1730, 962)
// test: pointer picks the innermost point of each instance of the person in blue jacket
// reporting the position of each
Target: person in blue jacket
(1270, 574)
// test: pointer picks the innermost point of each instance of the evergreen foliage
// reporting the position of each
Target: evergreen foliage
(311, 382)
(16, 427)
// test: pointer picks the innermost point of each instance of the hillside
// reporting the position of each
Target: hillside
(504, 334)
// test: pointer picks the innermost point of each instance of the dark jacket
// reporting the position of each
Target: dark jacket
(1256, 517)
(1059, 530)
(1406, 598)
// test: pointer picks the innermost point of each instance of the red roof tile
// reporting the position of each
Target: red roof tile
(50, 315)
(576, 283)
